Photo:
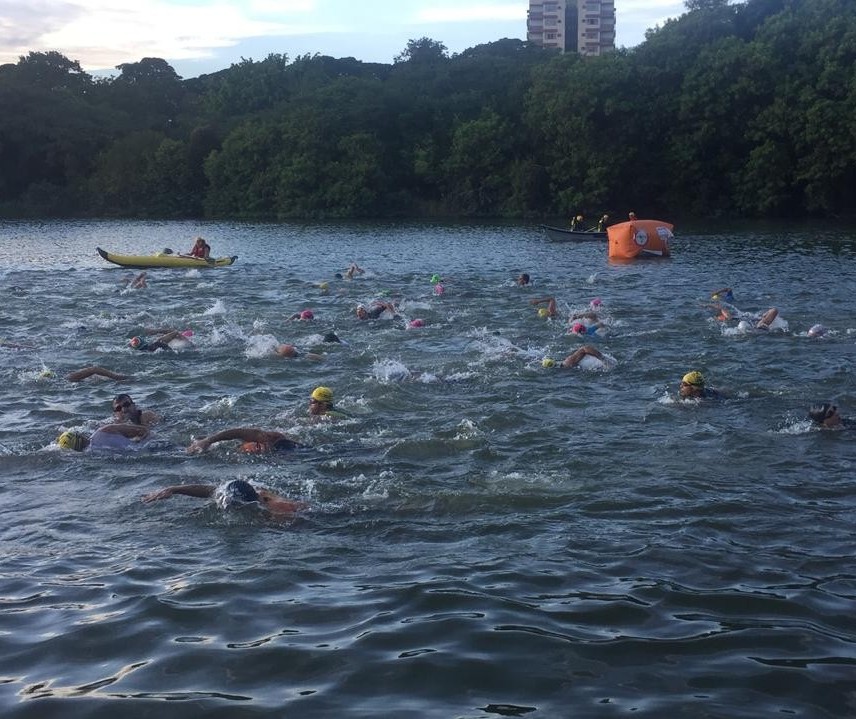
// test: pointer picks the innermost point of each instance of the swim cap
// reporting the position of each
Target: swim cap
(439, 289)
(416, 323)
(306, 315)
(324, 286)
(286, 350)
(596, 302)
(47, 374)
(331, 337)
(548, 362)
(135, 342)
(543, 312)
(435, 279)
(578, 328)
(695, 378)
(816, 330)
(187, 333)
(71, 440)
(322, 394)
(237, 491)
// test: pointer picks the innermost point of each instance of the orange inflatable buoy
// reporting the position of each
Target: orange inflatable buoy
(639, 238)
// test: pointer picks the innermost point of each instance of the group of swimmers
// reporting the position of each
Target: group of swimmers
(131, 425)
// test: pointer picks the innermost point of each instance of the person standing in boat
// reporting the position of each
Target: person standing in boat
(601, 223)
(577, 223)
(200, 249)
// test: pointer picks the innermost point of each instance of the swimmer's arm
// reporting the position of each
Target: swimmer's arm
(572, 360)
(279, 505)
(82, 374)
(191, 490)
(542, 300)
(245, 434)
(131, 431)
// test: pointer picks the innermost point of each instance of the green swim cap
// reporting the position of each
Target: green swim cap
(435, 278)
(548, 362)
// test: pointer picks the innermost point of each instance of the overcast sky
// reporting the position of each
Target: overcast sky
(200, 36)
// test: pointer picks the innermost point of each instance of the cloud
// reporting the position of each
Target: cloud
(105, 33)
(473, 13)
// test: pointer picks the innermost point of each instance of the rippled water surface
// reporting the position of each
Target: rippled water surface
(484, 536)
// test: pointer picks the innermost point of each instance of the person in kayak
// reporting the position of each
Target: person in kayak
(234, 493)
(200, 249)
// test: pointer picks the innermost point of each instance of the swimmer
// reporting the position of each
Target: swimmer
(136, 283)
(375, 310)
(321, 405)
(816, 331)
(126, 410)
(522, 280)
(723, 293)
(353, 270)
(254, 441)
(290, 352)
(767, 319)
(827, 416)
(234, 493)
(550, 310)
(111, 436)
(573, 359)
(579, 328)
(141, 344)
(693, 387)
(304, 315)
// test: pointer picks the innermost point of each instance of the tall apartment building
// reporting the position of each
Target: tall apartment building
(584, 26)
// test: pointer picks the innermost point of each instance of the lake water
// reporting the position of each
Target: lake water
(485, 537)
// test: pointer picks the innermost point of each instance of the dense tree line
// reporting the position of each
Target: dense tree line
(742, 109)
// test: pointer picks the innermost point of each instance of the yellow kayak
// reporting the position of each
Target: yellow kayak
(144, 262)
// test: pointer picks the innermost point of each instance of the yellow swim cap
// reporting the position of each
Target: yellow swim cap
(71, 440)
(322, 394)
(543, 312)
(694, 378)
(324, 286)
(548, 362)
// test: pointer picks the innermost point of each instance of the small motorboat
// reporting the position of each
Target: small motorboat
(558, 234)
(639, 238)
(165, 259)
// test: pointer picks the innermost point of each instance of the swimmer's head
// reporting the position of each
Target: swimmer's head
(439, 289)
(306, 315)
(324, 286)
(548, 362)
(435, 278)
(338, 275)
(416, 323)
(332, 337)
(543, 312)
(578, 328)
(72, 440)
(362, 312)
(135, 342)
(47, 374)
(816, 331)
(286, 350)
(694, 379)
(322, 394)
(235, 493)
(596, 302)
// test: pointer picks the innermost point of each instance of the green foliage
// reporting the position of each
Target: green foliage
(733, 108)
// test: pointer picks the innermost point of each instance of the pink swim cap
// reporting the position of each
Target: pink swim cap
(439, 289)
(306, 315)
(187, 333)
(596, 302)
(416, 323)
(578, 328)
